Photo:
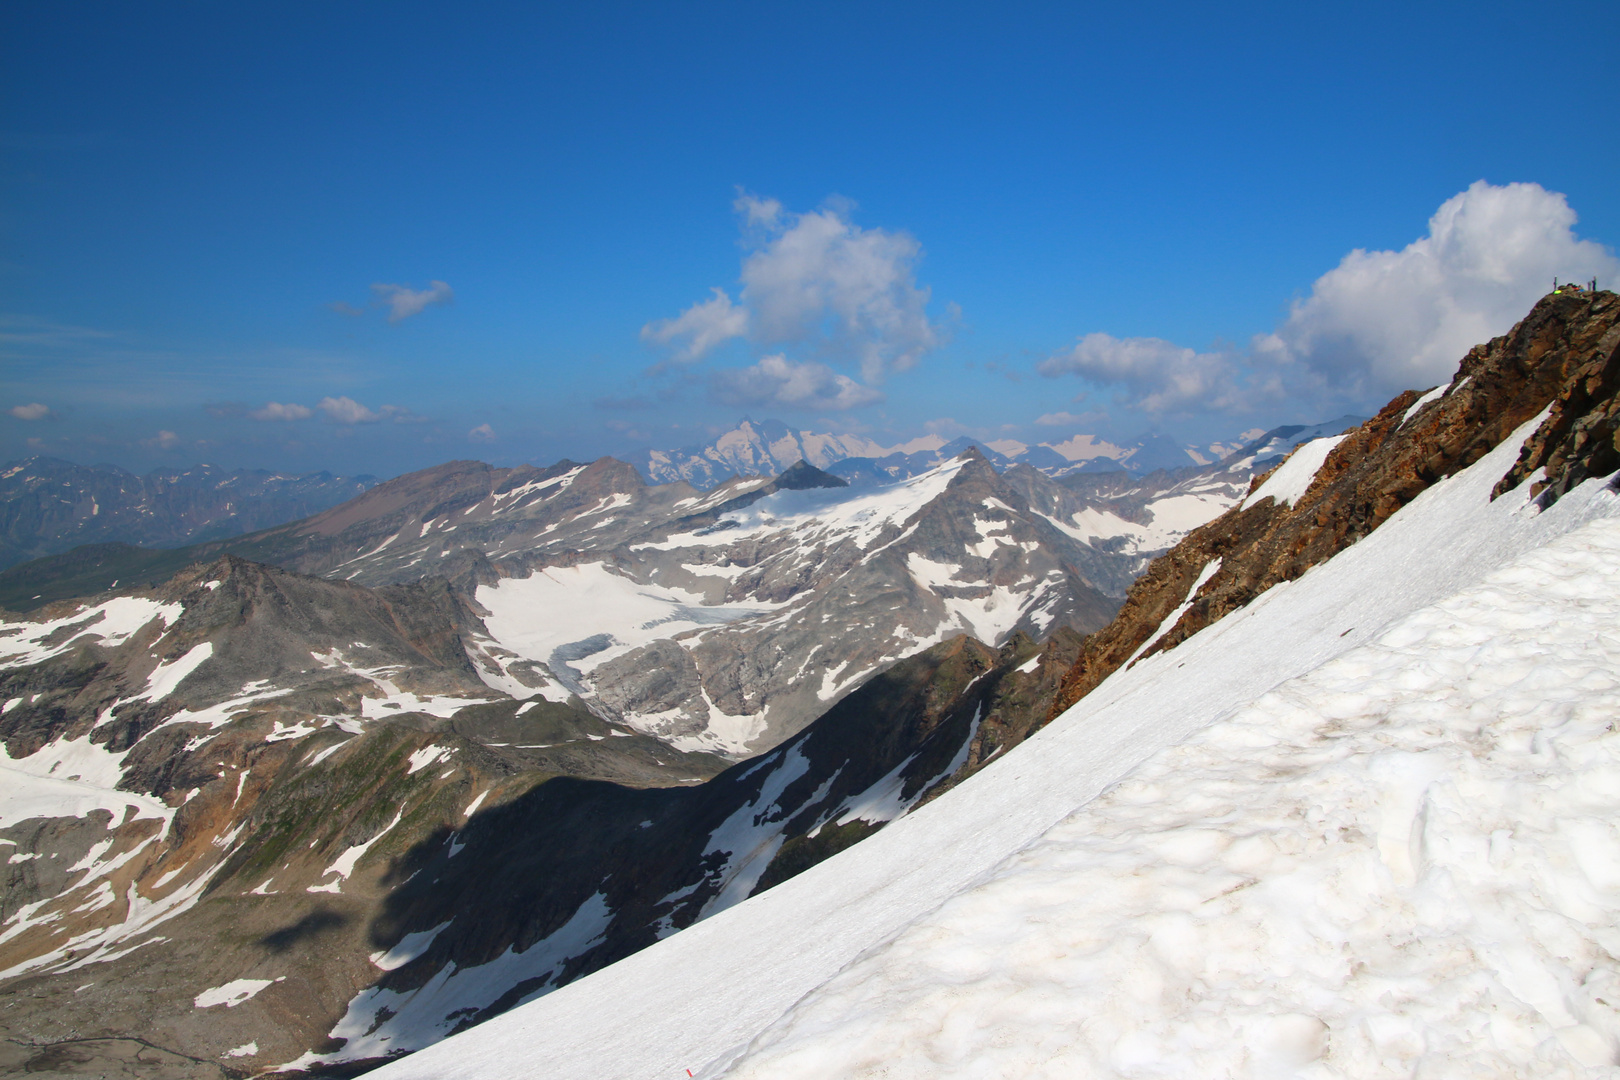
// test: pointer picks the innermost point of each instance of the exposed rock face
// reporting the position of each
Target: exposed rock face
(1581, 438)
(49, 506)
(1560, 358)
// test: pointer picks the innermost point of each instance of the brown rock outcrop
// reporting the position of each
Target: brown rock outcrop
(1564, 357)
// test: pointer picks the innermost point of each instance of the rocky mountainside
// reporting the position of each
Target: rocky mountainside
(724, 620)
(203, 779)
(256, 817)
(49, 506)
(1560, 364)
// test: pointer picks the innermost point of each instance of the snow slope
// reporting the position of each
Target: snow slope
(949, 936)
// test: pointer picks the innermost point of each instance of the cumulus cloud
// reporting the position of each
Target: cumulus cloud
(346, 410)
(778, 381)
(481, 433)
(1385, 321)
(403, 301)
(1157, 375)
(819, 277)
(274, 410)
(163, 440)
(32, 411)
(1378, 323)
(817, 282)
(700, 328)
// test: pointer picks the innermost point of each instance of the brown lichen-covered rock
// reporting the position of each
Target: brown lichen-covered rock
(1562, 357)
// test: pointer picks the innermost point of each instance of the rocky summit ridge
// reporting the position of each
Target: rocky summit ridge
(1559, 366)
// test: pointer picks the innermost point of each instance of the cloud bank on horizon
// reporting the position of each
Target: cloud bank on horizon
(826, 313)
(1378, 323)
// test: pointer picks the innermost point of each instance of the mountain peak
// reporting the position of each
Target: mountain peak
(801, 475)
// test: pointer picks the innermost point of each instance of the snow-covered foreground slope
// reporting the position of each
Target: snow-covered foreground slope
(1405, 858)
(1392, 845)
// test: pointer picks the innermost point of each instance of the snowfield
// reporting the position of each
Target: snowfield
(1362, 828)
(1407, 858)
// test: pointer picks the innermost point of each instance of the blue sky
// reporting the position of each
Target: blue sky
(373, 237)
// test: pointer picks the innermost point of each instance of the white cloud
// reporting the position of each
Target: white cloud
(482, 433)
(1385, 321)
(33, 411)
(816, 280)
(820, 278)
(778, 381)
(1378, 323)
(163, 440)
(702, 327)
(274, 410)
(346, 410)
(404, 301)
(1158, 376)
(757, 213)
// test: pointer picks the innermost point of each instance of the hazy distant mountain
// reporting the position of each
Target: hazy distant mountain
(765, 448)
(48, 505)
(753, 449)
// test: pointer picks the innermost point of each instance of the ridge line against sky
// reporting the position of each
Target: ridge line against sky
(373, 239)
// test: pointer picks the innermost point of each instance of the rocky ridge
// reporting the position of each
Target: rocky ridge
(1559, 363)
(204, 782)
(723, 620)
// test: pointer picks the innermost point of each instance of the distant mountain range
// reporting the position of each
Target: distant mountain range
(765, 448)
(48, 505)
